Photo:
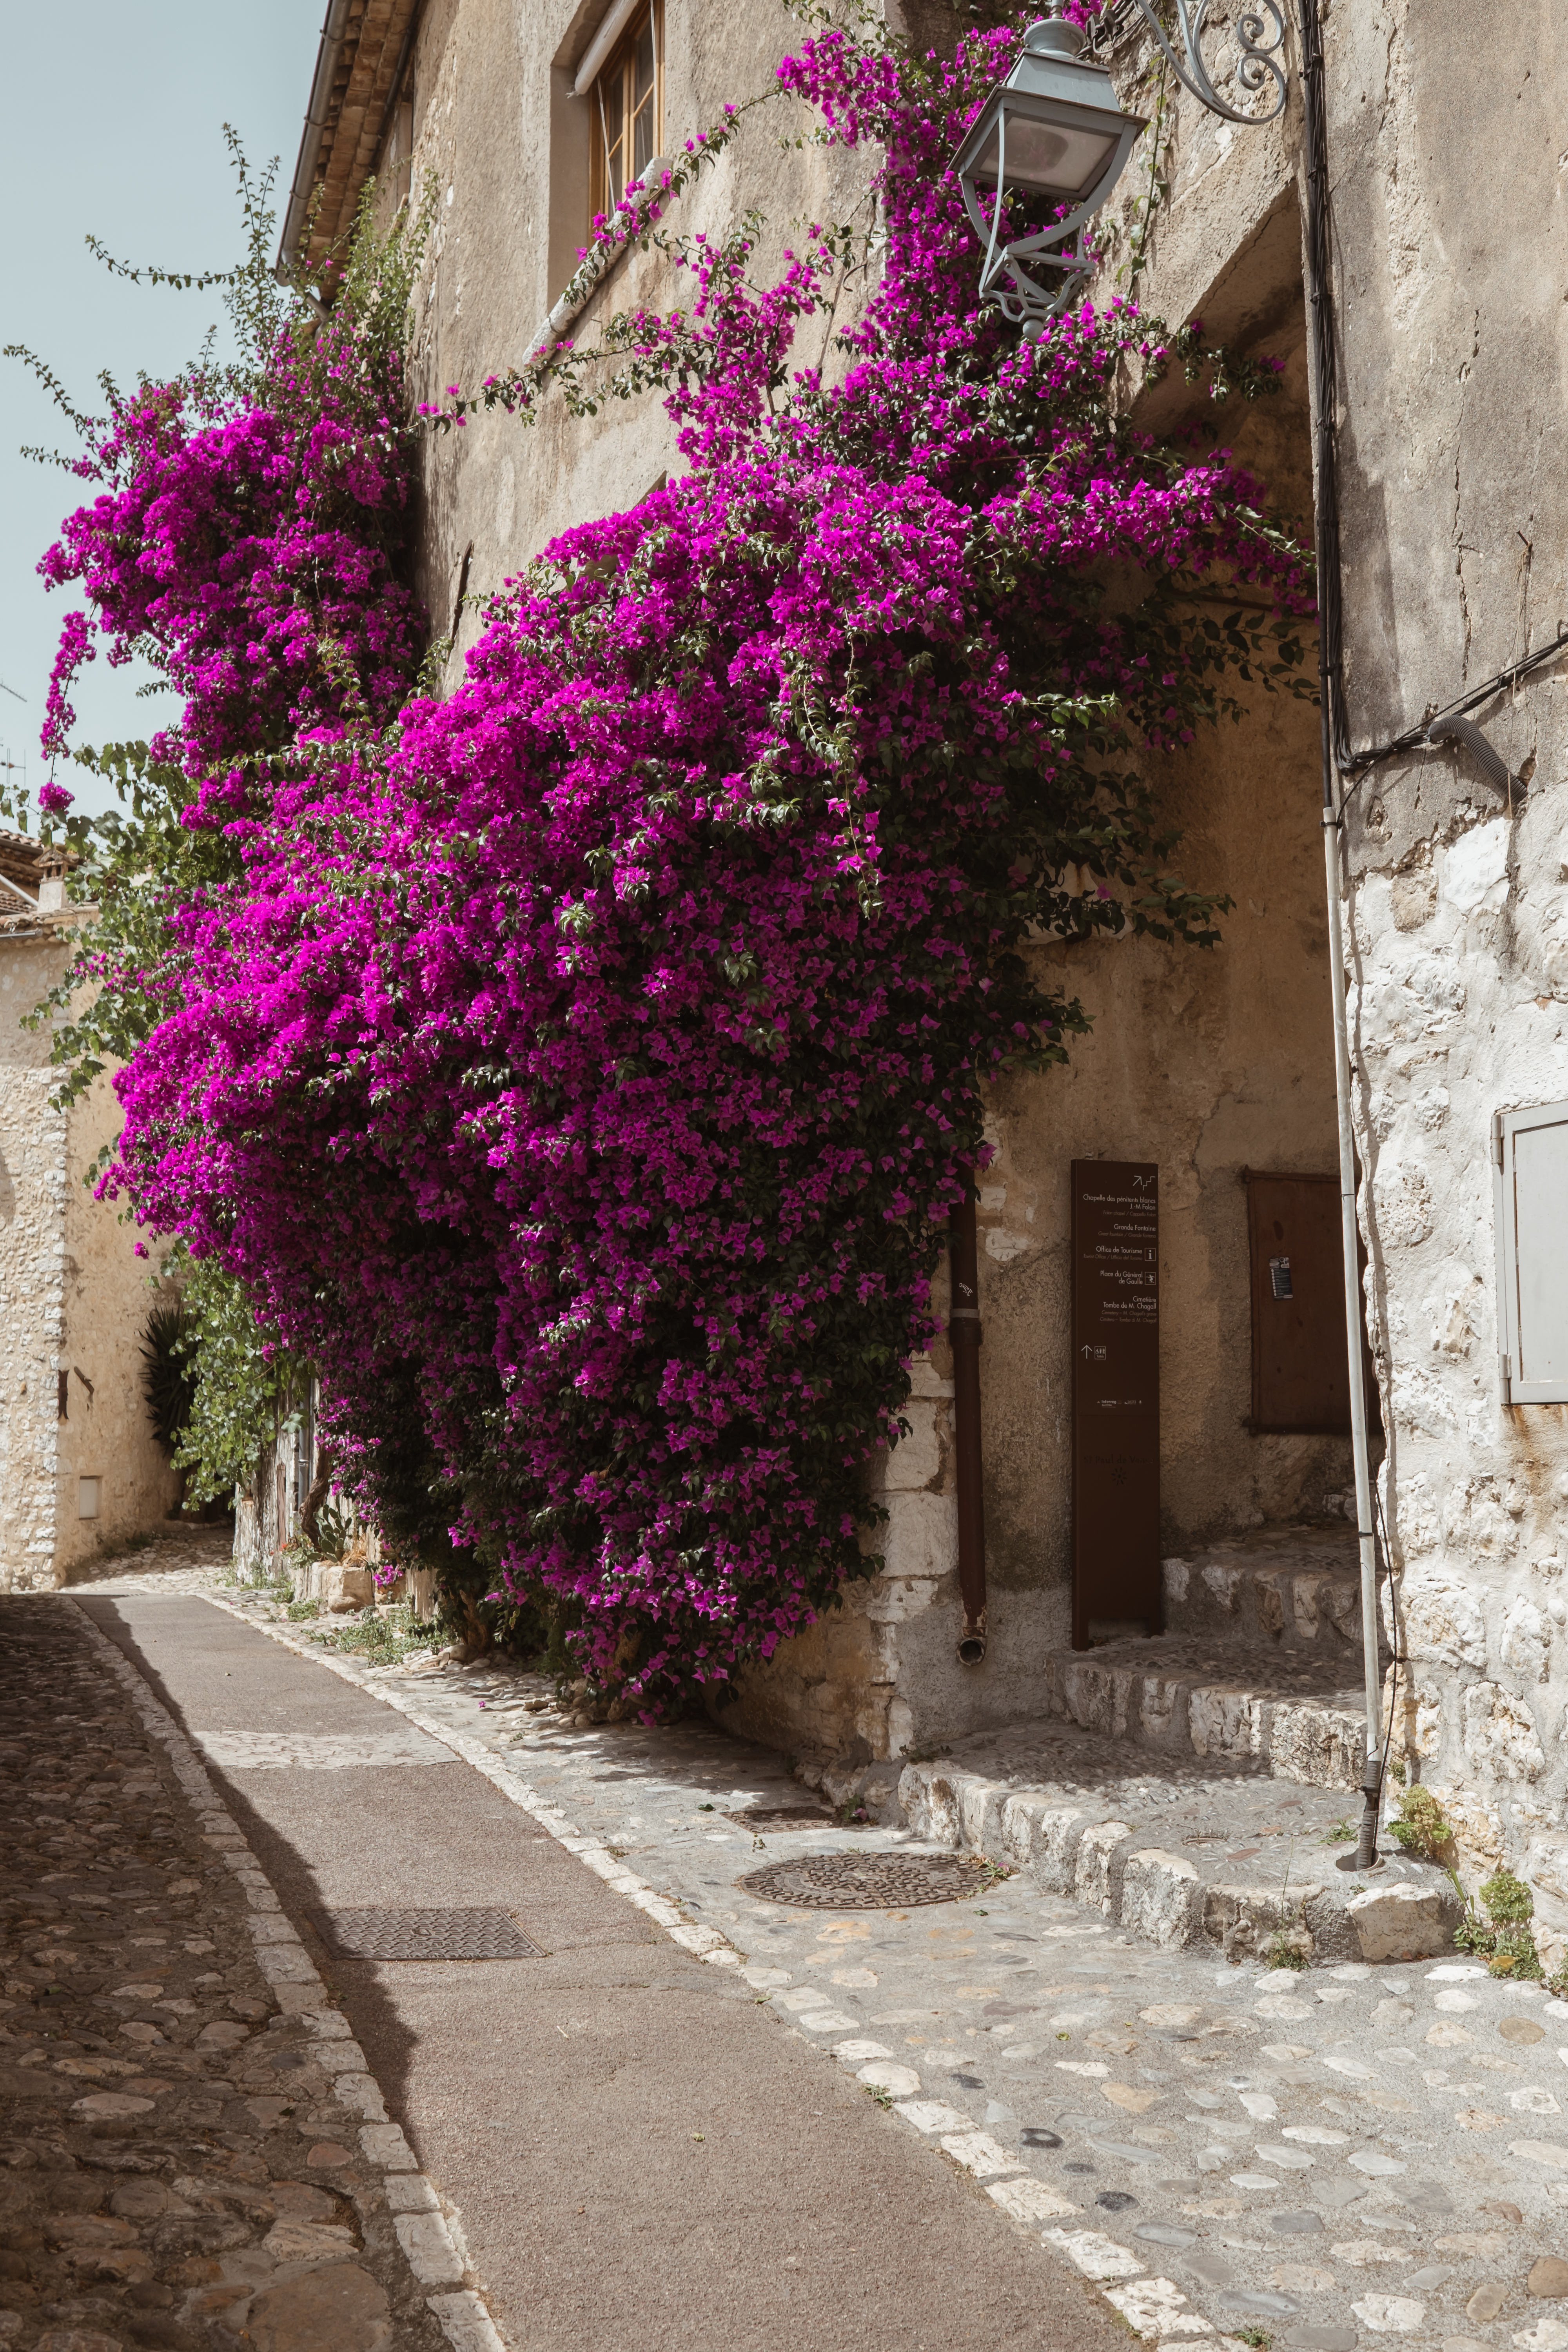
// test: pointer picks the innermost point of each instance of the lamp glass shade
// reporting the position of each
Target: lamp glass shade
(1052, 132)
(1064, 160)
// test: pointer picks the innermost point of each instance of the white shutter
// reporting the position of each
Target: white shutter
(1529, 1178)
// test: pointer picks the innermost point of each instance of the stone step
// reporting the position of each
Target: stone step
(1290, 1587)
(1179, 1850)
(1286, 1712)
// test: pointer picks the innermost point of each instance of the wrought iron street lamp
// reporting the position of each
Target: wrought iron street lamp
(1053, 138)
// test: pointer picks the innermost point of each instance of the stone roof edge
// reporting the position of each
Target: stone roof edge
(16, 922)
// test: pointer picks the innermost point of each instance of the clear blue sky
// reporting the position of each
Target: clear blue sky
(115, 127)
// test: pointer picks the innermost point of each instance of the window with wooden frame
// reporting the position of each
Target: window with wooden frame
(400, 145)
(626, 109)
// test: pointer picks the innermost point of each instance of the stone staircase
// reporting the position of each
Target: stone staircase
(1196, 1787)
(1295, 1587)
(1259, 1666)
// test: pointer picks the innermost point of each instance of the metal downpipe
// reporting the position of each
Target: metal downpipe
(964, 1335)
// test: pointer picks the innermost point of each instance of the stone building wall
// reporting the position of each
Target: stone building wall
(1449, 233)
(106, 1294)
(33, 1174)
(73, 1299)
(495, 123)
(1452, 233)
(1203, 1063)
(267, 1519)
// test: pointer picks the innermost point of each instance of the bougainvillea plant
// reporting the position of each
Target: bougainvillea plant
(579, 1069)
(248, 543)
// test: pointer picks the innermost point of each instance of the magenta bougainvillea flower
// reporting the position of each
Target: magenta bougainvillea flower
(579, 1069)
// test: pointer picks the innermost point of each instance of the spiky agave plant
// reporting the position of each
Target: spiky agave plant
(169, 1372)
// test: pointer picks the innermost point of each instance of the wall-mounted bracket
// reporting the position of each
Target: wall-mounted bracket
(1259, 34)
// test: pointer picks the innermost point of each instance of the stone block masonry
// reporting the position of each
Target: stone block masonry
(1200, 1895)
(1181, 1850)
(32, 1265)
(74, 1297)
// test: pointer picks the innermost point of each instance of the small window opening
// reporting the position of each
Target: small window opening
(87, 1497)
(628, 106)
(304, 1459)
(400, 160)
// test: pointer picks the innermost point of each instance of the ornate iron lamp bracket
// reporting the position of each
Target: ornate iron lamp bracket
(1259, 37)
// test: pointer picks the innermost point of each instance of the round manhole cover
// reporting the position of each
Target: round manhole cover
(871, 1882)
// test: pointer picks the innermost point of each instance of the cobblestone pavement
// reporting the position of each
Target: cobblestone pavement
(1235, 2154)
(177, 1559)
(191, 2154)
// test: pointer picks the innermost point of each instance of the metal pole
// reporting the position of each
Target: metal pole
(965, 1335)
(1320, 320)
(1372, 1776)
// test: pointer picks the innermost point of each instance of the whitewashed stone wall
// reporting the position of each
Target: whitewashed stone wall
(1452, 229)
(1452, 1025)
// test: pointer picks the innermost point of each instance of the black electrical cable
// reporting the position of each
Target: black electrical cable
(1325, 387)
(1417, 737)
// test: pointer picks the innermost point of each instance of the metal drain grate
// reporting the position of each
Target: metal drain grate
(872, 1881)
(378, 1935)
(786, 1817)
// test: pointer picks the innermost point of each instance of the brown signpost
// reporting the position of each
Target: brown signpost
(1116, 1399)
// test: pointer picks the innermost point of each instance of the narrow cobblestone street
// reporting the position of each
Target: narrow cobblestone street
(605, 2142)
(184, 2136)
(1203, 2149)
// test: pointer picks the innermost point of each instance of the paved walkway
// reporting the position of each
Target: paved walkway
(637, 2153)
(1229, 2153)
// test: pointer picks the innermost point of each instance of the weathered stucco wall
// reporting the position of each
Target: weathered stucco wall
(494, 121)
(1452, 229)
(105, 1295)
(73, 1299)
